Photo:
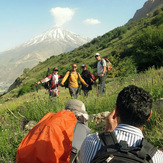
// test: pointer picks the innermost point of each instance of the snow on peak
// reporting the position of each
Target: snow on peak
(57, 34)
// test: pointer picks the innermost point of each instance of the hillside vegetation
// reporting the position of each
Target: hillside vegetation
(136, 52)
(131, 48)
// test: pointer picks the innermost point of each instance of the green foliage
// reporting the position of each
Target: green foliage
(26, 70)
(26, 88)
(149, 48)
(12, 127)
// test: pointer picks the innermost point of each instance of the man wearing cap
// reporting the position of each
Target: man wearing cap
(81, 130)
(53, 80)
(73, 77)
(101, 71)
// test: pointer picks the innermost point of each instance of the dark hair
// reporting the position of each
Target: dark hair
(134, 105)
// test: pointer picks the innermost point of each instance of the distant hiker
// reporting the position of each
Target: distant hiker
(123, 132)
(73, 78)
(57, 137)
(53, 80)
(101, 72)
(87, 78)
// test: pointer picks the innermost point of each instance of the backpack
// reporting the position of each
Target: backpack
(50, 141)
(114, 152)
(108, 64)
(47, 85)
(93, 78)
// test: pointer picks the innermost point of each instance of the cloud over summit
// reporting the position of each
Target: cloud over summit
(61, 15)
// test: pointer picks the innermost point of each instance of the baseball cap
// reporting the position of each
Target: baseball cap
(83, 65)
(55, 69)
(77, 107)
(97, 54)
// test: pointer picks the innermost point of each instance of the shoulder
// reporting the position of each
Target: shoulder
(89, 148)
(50, 75)
(92, 140)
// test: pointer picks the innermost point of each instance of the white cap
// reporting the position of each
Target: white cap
(97, 54)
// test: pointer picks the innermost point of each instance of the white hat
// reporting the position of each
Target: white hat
(97, 54)
(77, 107)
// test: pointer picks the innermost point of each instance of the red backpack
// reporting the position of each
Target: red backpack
(50, 141)
(108, 64)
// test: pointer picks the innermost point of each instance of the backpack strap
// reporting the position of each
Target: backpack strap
(147, 150)
(108, 138)
(74, 154)
(102, 61)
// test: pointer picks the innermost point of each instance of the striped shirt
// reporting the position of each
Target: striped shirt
(131, 134)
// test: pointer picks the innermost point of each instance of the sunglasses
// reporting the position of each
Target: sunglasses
(74, 66)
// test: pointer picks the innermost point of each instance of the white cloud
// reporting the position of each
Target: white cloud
(61, 15)
(92, 21)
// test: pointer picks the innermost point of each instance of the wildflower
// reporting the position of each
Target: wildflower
(43, 100)
(132, 79)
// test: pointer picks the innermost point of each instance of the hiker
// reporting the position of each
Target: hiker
(87, 78)
(101, 72)
(126, 121)
(73, 77)
(57, 137)
(53, 80)
(81, 128)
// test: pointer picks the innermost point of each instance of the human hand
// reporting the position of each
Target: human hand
(101, 75)
(37, 83)
(111, 121)
(62, 84)
(87, 85)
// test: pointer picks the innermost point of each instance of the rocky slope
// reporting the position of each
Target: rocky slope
(148, 7)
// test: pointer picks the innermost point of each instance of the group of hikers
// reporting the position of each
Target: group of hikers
(72, 79)
(64, 137)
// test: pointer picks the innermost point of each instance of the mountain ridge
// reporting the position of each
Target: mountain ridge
(149, 6)
(54, 41)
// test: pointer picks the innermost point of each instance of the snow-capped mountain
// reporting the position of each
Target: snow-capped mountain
(58, 34)
(27, 55)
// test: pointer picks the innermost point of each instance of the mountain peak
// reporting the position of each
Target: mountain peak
(57, 33)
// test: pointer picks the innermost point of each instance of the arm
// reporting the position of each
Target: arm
(60, 76)
(111, 121)
(65, 78)
(48, 78)
(82, 80)
(104, 67)
(89, 148)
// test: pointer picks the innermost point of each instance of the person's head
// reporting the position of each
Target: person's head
(84, 66)
(74, 67)
(78, 108)
(97, 56)
(55, 70)
(134, 106)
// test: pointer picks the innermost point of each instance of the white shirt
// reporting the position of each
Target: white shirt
(128, 133)
(100, 66)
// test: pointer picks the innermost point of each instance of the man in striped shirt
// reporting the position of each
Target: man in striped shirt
(133, 109)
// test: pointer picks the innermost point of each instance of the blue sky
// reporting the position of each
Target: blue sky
(21, 20)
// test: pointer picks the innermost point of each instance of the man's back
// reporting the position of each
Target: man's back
(128, 133)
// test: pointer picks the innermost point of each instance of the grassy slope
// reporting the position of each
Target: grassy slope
(116, 41)
(34, 105)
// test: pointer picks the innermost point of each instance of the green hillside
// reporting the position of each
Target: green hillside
(131, 48)
(136, 52)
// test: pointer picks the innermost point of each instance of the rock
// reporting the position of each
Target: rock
(98, 118)
(159, 105)
(30, 125)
